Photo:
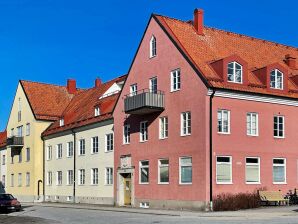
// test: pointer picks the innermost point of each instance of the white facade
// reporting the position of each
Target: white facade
(3, 175)
(97, 187)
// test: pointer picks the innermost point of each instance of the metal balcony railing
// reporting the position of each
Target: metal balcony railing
(15, 141)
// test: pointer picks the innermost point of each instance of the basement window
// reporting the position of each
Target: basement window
(144, 205)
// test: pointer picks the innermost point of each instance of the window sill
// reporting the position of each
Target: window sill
(108, 185)
(174, 90)
(81, 155)
(165, 183)
(282, 183)
(224, 133)
(144, 141)
(144, 183)
(150, 57)
(109, 151)
(252, 135)
(277, 137)
(185, 183)
(185, 135)
(163, 138)
(94, 185)
(94, 153)
(224, 183)
(253, 183)
(126, 143)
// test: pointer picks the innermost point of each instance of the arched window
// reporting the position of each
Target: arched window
(276, 79)
(235, 72)
(152, 47)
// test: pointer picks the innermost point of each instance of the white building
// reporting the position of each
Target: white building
(3, 161)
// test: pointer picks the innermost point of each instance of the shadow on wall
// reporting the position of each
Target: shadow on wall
(2, 189)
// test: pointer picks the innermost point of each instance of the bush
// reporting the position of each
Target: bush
(233, 202)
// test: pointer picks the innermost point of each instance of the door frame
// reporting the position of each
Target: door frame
(121, 173)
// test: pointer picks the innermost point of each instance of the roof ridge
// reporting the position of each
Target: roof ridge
(42, 83)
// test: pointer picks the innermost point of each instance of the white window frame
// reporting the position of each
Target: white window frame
(175, 80)
(97, 111)
(153, 47)
(109, 179)
(141, 166)
(109, 142)
(185, 165)
(58, 155)
(231, 169)
(94, 178)
(222, 111)
(126, 134)
(185, 123)
(69, 177)
(253, 164)
(49, 178)
(94, 150)
(143, 131)
(249, 125)
(61, 122)
(274, 73)
(163, 165)
(82, 176)
(283, 119)
(163, 127)
(285, 165)
(68, 149)
(81, 149)
(133, 89)
(233, 75)
(153, 85)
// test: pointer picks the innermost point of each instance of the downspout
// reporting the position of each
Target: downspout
(211, 150)
(74, 164)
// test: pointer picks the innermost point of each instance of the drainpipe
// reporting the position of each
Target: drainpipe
(74, 164)
(211, 151)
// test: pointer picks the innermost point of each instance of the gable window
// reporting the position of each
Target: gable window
(94, 176)
(223, 121)
(163, 127)
(49, 154)
(134, 89)
(185, 164)
(143, 131)
(59, 151)
(235, 72)
(144, 172)
(28, 129)
(152, 47)
(61, 122)
(279, 127)
(82, 147)
(175, 80)
(163, 171)
(279, 170)
(94, 144)
(82, 176)
(252, 124)
(223, 169)
(185, 123)
(59, 178)
(96, 111)
(276, 79)
(126, 134)
(69, 149)
(109, 176)
(109, 142)
(252, 170)
(153, 85)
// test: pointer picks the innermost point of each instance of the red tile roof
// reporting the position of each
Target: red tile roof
(80, 111)
(3, 137)
(217, 44)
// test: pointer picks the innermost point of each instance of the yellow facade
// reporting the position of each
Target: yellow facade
(24, 188)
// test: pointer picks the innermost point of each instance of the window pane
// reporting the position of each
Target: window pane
(186, 174)
(278, 174)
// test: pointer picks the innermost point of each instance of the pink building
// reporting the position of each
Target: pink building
(169, 151)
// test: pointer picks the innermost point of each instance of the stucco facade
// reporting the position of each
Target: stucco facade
(3, 170)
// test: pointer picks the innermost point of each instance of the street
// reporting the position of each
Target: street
(56, 214)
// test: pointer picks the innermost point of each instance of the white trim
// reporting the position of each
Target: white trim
(259, 165)
(229, 121)
(158, 168)
(234, 72)
(146, 166)
(145, 131)
(182, 157)
(257, 123)
(285, 165)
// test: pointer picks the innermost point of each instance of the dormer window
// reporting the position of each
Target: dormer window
(61, 122)
(152, 47)
(276, 79)
(235, 72)
(96, 111)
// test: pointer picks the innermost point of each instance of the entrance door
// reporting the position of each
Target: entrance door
(127, 191)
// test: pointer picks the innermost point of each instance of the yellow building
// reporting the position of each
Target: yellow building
(35, 107)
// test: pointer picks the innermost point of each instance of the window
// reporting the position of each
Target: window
(81, 176)
(50, 153)
(175, 80)
(252, 124)
(59, 178)
(279, 126)
(28, 129)
(27, 179)
(109, 142)
(19, 179)
(185, 123)
(3, 159)
(96, 111)
(27, 154)
(223, 169)
(12, 132)
(152, 47)
(163, 171)
(94, 142)
(223, 121)
(61, 122)
(20, 131)
(12, 159)
(69, 177)
(276, 79)
(126, 134)
(3, 181)
(133, 89)
(19, 110)
(234, 72)
(252, 167)
(82, 149)
(12, 180)
(69, 149)
(59, 151)
(163, 127)
(144, 172)
(109, 176)
(50, 178)
(143, 131)
(185, 164)
(94, 176)
(279, 170)
(20, 157)
(153, 85)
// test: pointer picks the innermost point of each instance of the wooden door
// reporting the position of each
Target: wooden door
(127, 191)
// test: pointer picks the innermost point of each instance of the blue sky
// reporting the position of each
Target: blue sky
(52, 40)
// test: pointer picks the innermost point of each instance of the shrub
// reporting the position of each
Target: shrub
(233, 202)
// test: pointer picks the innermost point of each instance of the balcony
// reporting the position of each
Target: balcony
(144, 102)
(15, 141)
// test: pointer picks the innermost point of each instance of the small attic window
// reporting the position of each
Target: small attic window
(235, 72)
(276, 79)
(61, 122)
(152, 47)
(96, 111)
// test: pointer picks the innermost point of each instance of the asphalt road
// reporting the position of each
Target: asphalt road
(45, 215)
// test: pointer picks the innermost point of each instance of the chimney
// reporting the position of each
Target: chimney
(98, 82)
(290, 61)
(71, 86)
(198, 21)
